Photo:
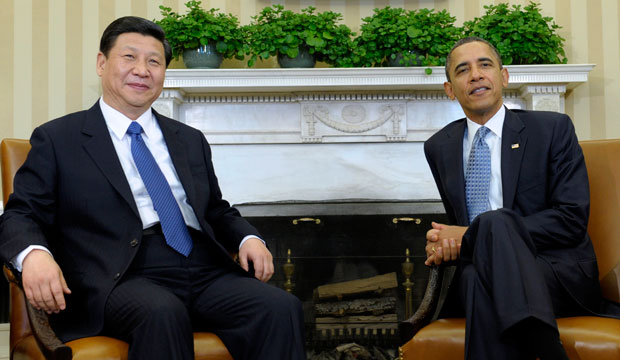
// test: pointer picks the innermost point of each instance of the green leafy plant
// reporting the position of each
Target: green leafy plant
(411, 37)
(276, 30)
(201, 27)
(522, 36)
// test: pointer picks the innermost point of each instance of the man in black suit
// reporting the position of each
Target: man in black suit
(515, 189)
(95, 244)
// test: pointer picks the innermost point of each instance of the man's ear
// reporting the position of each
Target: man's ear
(447, 87)
(505, 77)
(101, 61)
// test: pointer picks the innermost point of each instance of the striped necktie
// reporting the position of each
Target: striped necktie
(170, 216)
(478, 176)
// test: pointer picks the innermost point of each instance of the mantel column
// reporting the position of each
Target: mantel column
(544, 97)
(169, 102)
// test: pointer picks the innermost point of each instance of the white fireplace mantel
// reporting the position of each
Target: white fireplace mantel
(326, 134)
(217, 81)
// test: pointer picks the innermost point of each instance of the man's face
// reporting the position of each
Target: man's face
(132, 75)
(476, 80)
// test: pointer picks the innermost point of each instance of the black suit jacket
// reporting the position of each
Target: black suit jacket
(72, 196)
(544, 180)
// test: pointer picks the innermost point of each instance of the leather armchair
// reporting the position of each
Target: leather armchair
(584, 337)
(31, 336)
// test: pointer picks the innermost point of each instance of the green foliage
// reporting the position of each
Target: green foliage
(520, 36)
(276, 30)
(422, 37)
(200, 27)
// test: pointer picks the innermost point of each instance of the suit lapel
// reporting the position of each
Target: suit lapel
(178, 154)
(513, 148)
(98, 144)
(454, 183)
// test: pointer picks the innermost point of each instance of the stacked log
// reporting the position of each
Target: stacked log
(359, 305)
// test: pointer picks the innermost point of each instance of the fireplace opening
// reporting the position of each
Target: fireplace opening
(351, 269)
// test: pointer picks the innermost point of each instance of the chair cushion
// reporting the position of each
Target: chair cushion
(207, 346)
(98, 347)
(589, 337)
(441, 339)
(584, 337)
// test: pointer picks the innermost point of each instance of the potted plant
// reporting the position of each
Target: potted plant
(306, 36)
(399, 37)
(203, 37)
(520, 36)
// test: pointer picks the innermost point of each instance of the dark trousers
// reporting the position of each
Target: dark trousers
(165, 297)
(502, 282)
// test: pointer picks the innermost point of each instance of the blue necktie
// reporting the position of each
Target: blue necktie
(170, 216)
(478, 176)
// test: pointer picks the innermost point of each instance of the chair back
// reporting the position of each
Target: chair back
(603, 163)
(13, 153)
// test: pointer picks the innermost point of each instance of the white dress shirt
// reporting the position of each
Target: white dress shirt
(117, 124)
(494, 141)
(154, 139)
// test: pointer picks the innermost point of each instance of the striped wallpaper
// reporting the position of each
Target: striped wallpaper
(49, 47)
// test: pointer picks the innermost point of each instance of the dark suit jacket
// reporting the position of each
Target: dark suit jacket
(544, 180)
(72, 196)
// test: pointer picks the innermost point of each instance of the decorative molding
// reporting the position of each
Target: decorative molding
(209, 81)
(241, 99)
(543, 89)
(354, 118)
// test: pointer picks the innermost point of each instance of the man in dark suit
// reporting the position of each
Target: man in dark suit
(106, 249)
(515, 189)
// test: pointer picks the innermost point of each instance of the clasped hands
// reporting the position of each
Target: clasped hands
(443, 243)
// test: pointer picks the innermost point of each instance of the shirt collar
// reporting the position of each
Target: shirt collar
(495, 124)
(118, 123)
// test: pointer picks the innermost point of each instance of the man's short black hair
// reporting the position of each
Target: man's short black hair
(133, 24)
(467, 40)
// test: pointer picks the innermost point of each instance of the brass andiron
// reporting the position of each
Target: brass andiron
(289, 269)
(407, 269)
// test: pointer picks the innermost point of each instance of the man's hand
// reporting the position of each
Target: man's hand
(443, 243)
(255, 251)
(43, 282)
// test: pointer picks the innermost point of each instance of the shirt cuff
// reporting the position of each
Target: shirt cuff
(19, 259)
(248, 237)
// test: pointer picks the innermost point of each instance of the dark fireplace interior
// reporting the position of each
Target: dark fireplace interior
(328, 247)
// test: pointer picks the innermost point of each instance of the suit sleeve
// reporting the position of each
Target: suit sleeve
(30, 210)
(563, 220)
(431, 154)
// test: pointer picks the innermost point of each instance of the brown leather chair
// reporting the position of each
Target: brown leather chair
(32, 338)
(584, 337)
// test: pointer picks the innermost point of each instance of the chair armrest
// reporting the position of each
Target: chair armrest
(49, 344)
(424, 313)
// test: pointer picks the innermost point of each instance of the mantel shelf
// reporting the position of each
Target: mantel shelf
(209, 81)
